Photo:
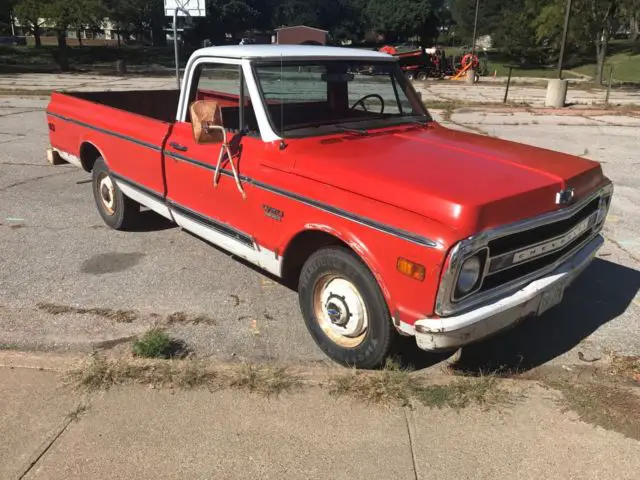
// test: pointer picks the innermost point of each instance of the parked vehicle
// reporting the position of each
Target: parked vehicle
(342, 184)
(418, 64)
(13, 40)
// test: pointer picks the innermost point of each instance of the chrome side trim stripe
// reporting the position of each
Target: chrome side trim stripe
(316, 204)
(107, 132)
(259, 256)
(217, 233)
(209, 222)
(381, 227)
(145, 199)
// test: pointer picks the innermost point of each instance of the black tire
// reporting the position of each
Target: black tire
(422, 76)
(410, 75)
(123, 212)
(380, 334)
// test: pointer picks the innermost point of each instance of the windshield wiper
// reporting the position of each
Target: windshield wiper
(419, 123)
(357, 131)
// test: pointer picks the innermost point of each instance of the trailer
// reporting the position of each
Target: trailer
(418, 64)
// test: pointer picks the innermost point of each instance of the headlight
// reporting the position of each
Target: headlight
(603, 209)
(469, 275)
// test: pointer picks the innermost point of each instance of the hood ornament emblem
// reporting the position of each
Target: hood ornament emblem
(565, 197)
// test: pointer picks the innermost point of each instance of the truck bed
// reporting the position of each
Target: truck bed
(128, 128)
(157, 104)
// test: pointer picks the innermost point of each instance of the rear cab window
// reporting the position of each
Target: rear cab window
(225, 85)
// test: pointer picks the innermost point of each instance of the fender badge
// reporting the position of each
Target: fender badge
(565, 197)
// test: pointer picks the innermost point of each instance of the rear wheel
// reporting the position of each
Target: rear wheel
(410, 75)
(344, 309)
(422, 76)
(118, 211)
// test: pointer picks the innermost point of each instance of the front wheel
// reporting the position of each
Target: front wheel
(344, 309)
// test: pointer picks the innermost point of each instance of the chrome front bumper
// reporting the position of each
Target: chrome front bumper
(456, 331)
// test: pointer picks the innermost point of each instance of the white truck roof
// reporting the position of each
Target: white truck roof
(310, 52)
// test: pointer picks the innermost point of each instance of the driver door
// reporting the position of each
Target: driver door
(219, 213)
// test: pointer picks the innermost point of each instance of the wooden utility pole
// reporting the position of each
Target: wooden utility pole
(567, 16)
(475, 29)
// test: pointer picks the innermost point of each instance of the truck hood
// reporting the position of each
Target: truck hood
(467, 181)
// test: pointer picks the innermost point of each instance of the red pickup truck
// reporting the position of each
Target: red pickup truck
(388, 223)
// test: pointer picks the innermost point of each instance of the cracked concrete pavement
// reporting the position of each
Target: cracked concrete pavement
(57, 252)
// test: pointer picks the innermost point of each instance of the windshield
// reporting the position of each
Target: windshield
(319, 97)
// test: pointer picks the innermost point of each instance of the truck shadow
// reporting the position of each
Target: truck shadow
(150, 221)
(599, 295)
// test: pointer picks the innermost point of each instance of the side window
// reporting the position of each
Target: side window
(221, 83)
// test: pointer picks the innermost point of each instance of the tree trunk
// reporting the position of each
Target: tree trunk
(36, 35)
(63, 54)
(634, 28)
(157, 35)
(601, 56)
(118, 35)
(79, 37)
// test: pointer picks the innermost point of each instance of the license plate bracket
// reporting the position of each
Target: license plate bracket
(550, 298)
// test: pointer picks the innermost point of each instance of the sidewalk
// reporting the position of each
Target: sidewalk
(138, 432)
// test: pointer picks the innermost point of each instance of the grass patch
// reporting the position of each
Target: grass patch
(75, 414)
(22, 92)
(157, 344)
(394, 385)
(100, 373)
(265, 380)
(120, 316)
(391, 386)
(607, 405)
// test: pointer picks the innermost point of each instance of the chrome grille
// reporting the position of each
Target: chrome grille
(544, 232)
(520, 252)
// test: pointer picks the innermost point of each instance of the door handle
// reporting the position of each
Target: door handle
(177, 146)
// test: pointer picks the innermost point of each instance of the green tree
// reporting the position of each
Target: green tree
(60, 14)
(510, 24)
(6, 11)
(404, 18)
(593, 23)
(143, 18)
(31, 14)
(630, 10)
(86, 15)
(490, 16)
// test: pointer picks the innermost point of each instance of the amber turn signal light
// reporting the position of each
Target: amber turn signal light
(411, 269)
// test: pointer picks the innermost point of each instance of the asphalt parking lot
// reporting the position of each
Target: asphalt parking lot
(67, 282)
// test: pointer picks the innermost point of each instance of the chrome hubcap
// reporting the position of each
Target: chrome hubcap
(341, 311)
(107, 194)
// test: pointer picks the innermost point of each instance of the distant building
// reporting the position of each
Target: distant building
(301, 35)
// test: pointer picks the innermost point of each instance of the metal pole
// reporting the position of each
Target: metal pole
(175, 45)
(567, 16)
(475, 29)
(506, 92)
(606, 100)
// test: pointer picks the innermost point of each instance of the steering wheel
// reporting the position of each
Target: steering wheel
(371, 95)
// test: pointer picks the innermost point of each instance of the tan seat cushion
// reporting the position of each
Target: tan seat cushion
(206, 113)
